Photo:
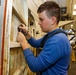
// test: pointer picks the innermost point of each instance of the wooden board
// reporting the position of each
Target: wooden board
(14, 26)
(17, 60)
(21, 10)
(17, 63)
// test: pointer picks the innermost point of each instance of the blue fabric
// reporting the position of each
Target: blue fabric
(53, 59)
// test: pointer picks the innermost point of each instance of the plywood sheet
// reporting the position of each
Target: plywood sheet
(17, 60)
(14, 26)
(21, 6)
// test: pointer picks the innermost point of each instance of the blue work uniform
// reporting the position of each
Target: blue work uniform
(53, 59)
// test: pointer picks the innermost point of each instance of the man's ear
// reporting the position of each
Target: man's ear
(53, 20)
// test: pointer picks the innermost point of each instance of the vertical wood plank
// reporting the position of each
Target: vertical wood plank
(2, 3)
(7, 37)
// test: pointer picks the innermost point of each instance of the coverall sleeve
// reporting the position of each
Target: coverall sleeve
(35, 43)
(48, 56)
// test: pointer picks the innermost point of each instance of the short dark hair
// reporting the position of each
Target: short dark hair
(51, 8)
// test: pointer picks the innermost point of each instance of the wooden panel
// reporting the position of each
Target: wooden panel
(14, 44)
(14, 26)
(19, 5)
(21, 10)
(16, 55)
(17, 61)
(14, 62)
(17, 64)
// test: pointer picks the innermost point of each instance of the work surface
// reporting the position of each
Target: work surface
(61, 23)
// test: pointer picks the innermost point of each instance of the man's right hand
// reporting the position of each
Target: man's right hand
(22, 40)
(22, 28)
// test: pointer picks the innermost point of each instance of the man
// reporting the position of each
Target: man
(55, 56)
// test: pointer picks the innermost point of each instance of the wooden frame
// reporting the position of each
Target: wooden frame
(2, 27)
(14, 44)
(13, 61)
(12, 49)
(16, 12)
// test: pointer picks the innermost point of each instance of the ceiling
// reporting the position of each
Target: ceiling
(33, 5)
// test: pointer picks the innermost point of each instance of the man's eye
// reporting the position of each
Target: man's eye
(41, 19)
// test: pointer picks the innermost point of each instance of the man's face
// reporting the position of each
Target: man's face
(44, 22)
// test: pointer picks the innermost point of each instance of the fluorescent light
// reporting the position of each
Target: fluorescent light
(74, 12)
(75, 6)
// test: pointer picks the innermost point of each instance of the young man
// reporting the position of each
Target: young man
(55, 56)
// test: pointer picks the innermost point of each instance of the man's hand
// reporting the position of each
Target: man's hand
(22, 28)
(22, 40)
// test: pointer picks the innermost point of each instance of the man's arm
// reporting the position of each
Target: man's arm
(32, 41)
